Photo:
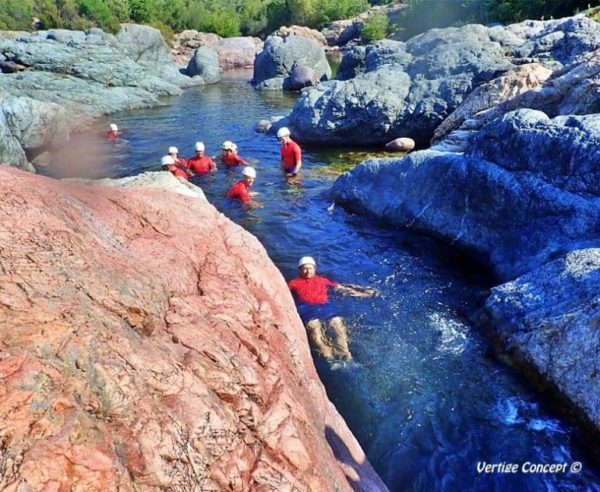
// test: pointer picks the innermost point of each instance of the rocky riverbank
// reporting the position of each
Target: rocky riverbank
(147, 342)
(398, 89)
(57, 81)
(512, 178)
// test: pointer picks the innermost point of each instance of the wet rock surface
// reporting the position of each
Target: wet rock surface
(509, 199)
(147, 342)
(522, 198)
(548, 320)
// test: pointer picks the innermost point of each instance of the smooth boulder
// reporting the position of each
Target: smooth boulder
(547, 321)
(275, 63)
(205, 63)
(401, 144)
(300, 77)
(506, 211)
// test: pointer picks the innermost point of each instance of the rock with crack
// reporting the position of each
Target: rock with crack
(148, 343)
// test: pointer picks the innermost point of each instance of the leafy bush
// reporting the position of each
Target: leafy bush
(375, 28)
(99, 14)
(15, 15)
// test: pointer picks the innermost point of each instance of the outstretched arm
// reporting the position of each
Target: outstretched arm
(356, 290)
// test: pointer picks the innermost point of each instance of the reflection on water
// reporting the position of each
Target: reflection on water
(425, 399)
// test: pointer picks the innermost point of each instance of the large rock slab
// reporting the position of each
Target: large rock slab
(87, 74)
(35, 124)
(435, 73)
(469, 117)
(273, 66)
(149, 343)
(548, 320)
(563, 151)
(513, 212)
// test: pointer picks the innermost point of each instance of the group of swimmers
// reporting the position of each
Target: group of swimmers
(327, 331)
(291, 162)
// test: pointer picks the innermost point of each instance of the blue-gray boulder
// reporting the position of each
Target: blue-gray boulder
(275, 63)
(205, 63)
(564, 151)
(399, 89)
(300, 77)
(435, 72)
(548, 321)
(510, 215)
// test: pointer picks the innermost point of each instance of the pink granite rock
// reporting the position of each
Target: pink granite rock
(302, 31)
(238, 52)
(234, 53)
(403, 144)
(146, 343)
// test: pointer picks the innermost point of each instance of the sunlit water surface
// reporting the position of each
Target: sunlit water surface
(426, 399)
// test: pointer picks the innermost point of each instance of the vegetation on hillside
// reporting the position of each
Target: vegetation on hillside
(260, 17)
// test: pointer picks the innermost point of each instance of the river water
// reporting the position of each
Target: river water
(427, 400)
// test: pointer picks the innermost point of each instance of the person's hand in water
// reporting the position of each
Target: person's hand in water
(357, 290)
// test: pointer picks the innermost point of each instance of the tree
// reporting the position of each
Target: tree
(375, 28)
(16, 14)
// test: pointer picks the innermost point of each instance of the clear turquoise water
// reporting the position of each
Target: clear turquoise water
(427, 399)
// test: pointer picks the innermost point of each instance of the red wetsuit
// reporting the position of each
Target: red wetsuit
(311, 290)
(180, 173)
(112, 135)
(181, 163)
(231, 159)
(290, 155)
(240, 190)
(200, 165)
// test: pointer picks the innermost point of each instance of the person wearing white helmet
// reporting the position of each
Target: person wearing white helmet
(168, 164)
(229, 155)
(113, 132)
(326, 330)
(241, 190)
(200, 163)
(291, 155)
(180, 162)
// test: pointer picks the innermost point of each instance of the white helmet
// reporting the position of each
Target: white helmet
(283, 132)
(249, 171)
(173, 150)
(228, 145)
(199, 146)
(307, 260)
(113, 127)
(167, 160)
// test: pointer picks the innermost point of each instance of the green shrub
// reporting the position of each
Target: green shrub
(375, 28)
(166, 31)
(332, 10)
(15, 15)
(99, 14)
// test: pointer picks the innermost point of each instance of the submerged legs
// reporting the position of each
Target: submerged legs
(330, 339)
